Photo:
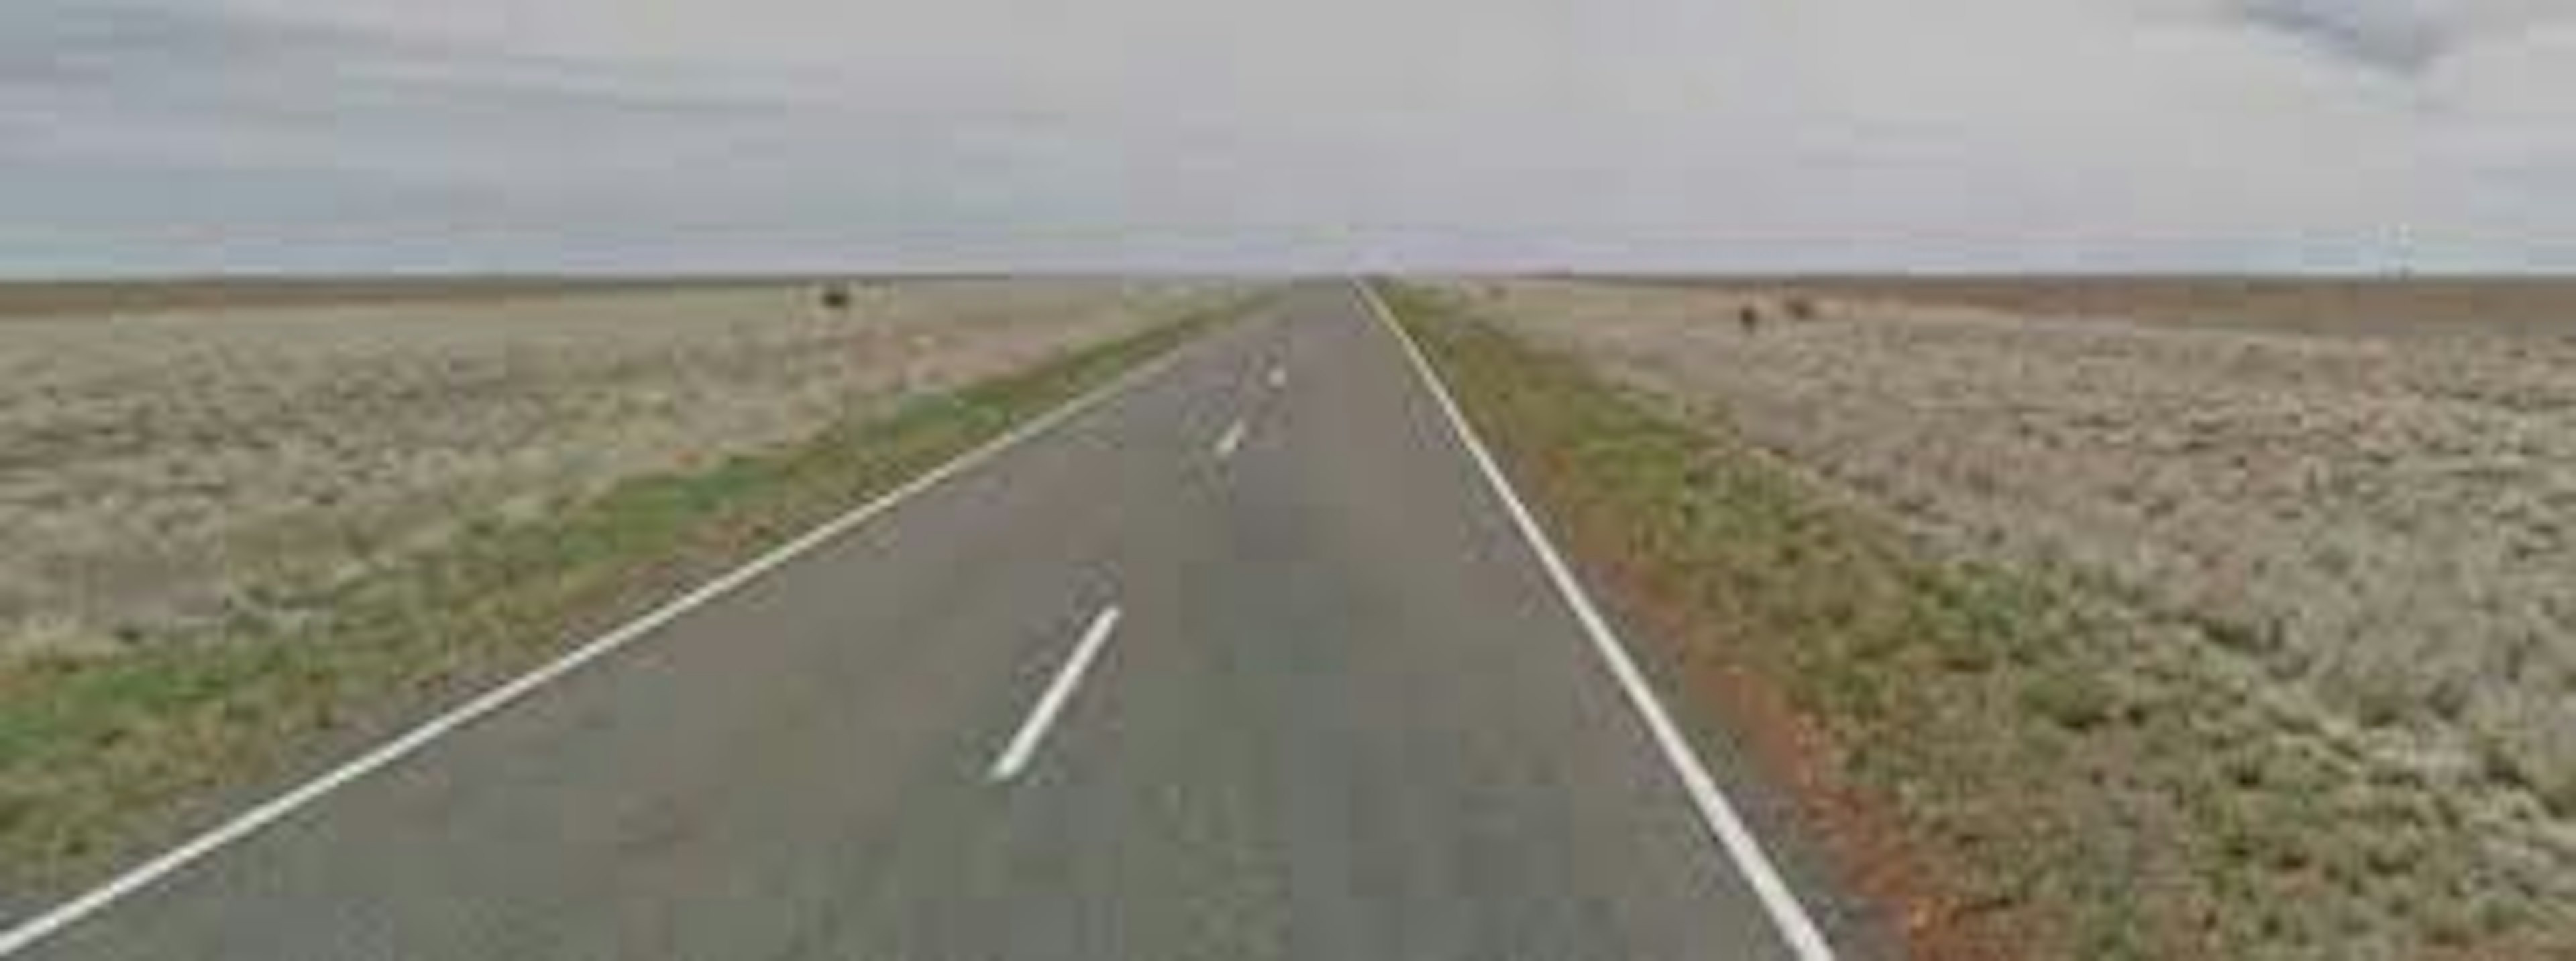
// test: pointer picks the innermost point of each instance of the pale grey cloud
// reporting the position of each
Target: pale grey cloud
(2402, 36)
(2392, 34)
(168, 134)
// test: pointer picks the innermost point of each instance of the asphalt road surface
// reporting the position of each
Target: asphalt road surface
(1247, 661)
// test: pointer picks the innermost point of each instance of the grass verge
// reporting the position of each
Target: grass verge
(99, 754)
(2012, 763)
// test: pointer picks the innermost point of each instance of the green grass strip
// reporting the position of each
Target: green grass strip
(100, 753)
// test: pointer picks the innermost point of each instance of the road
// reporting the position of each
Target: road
(1247, 661)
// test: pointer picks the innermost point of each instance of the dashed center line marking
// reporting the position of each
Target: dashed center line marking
(1231, 440)
(1278, 376)
(1024, 745)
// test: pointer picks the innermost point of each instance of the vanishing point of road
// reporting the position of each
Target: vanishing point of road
(1252, 658)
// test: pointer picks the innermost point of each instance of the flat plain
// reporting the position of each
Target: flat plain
(2334, 523)
(166, 468)
(243, 524)
(2380, 306)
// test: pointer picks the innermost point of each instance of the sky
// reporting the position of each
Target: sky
(184, 136)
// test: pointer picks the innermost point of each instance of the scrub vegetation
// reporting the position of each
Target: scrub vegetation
(351, 515)
(2131, 640)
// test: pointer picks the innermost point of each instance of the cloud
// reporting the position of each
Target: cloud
(2389, 34)
(203, 83)
(2400, 36)
(140, 134)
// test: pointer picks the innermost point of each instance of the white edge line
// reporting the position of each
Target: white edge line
(53, 920)
(1024, 745)
(1231, 439)
(1796, 927)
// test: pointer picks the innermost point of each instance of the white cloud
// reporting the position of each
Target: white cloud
(1713, 133)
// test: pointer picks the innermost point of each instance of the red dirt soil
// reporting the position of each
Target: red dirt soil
(1852, 826)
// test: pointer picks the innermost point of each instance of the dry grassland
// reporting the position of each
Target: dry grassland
(239, 536)
(160, 471)
(2358, 544)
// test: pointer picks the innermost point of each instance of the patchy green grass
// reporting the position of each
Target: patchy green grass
(97, 752)
(2078, 785)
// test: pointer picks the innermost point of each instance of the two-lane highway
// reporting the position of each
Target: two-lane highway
(1247, 661)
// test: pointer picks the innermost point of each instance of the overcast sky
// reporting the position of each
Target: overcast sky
(189, 135)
